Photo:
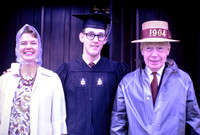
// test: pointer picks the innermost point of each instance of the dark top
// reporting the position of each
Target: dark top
(89, 94)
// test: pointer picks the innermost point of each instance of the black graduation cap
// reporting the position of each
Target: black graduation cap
(95, 20)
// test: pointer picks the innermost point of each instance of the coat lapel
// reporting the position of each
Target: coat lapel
(37, 80)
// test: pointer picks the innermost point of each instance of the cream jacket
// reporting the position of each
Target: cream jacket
(47, 105)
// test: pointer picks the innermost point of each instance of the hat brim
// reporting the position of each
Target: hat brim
(154, 40)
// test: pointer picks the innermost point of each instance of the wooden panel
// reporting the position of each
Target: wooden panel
(61, 35)
(13, 20)
(46, 37)
(76, 27)
(121, 48)
(66, 36)
(57, 36)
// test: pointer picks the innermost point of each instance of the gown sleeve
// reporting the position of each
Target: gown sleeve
(62, 72)
(122, 70)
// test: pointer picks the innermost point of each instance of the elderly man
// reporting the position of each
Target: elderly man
(158, 98)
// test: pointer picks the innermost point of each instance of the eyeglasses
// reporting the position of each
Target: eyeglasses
(91, 36)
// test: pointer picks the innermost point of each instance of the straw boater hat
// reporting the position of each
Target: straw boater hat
(155, 31)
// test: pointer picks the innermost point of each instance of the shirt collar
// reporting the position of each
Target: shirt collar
(87, 61)
(148, 71)
(160, 71)
(15, 68)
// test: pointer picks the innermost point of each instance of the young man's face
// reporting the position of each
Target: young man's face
(92, 47)
(155, 54)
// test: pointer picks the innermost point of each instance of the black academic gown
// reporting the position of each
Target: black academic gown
(89, 94)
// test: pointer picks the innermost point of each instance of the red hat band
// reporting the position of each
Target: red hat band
(156, 33)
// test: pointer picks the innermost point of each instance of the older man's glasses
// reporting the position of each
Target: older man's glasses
(91, 36)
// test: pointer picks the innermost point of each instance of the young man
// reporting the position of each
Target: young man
(90, 82)
(158, 98)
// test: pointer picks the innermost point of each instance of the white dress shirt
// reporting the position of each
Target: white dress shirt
(158, 75)
(87, 61)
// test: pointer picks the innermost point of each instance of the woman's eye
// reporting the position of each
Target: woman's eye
(23, 43)
(33, 43)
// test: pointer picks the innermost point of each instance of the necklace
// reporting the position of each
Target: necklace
(28, 80)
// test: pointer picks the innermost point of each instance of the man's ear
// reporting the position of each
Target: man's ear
(141, 49)
(81, 37)
(169, 48)
(105, 41)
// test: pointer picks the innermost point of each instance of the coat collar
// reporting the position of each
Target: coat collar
(170, 66)
(41, 74)
(16, 66)
(169, 63)
(15, 69)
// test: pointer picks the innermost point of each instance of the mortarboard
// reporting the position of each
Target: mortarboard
(95, 20)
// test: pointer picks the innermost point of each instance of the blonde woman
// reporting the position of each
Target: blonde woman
(31, 97)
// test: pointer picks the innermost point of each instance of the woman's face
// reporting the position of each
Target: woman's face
(28, 47)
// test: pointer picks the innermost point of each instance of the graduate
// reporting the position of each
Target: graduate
(90, 82)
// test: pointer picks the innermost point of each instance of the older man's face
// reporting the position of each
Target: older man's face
(155, 54)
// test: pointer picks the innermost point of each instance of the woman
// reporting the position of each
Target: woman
(31, 97)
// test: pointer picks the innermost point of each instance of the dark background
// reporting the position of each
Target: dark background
(59, 30)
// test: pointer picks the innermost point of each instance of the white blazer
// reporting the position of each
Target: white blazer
(47, 105)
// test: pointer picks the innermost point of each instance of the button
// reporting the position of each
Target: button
(148, 98)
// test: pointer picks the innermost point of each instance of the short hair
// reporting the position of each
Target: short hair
(28, 29)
